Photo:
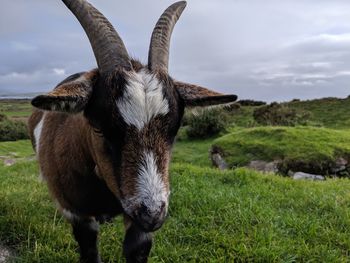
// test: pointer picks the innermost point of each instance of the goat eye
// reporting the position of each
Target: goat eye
(98, 132)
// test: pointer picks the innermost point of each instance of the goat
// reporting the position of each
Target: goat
(103, 138)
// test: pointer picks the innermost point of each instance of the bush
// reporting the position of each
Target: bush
(279, 114)
(207, 123)
(232, 108)
(186, 118)
(12, 130)
(251, 103)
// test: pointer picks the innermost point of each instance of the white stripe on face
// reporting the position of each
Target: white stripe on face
(142, 100)
(151, 190)
(37, 133)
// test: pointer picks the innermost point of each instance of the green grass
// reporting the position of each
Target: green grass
(18, 114)
(214, 216)
(231, 216)
(311, 144)
(329, 112)
(194, 152)
(243, 117)
(18, 149)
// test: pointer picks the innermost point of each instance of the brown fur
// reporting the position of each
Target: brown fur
(67, 159)
(195, 95)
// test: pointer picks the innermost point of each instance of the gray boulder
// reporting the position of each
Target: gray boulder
(306, 176)
(217, 159)
(265, 167)
(339, 165)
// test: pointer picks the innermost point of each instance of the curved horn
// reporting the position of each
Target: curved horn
(158, 56)
(108, 47)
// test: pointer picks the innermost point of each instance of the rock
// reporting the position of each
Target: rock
(9, 162)
(306, 176)
(217, 159)
(290, 173)
(339, 165)
(4, 254)
(265, 167)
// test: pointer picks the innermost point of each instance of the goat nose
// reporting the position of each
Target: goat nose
(151, 220)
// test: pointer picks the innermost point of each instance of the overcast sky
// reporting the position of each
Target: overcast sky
(271, 50)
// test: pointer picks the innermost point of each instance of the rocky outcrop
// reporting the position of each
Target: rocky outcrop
(265, 167)
(217, 159)
(297, 169)
(306, 176)
(340, 166)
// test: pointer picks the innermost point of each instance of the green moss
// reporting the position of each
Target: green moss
(308, 144)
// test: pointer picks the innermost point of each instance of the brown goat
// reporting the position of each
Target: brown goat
(103, 138)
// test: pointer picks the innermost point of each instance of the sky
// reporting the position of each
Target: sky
(269, 50)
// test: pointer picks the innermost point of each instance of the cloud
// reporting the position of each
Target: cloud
(59, 71)
(271, 50)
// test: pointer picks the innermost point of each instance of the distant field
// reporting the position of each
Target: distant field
(327, 112)
(16, 109)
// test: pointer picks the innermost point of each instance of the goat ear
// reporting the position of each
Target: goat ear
(71, 95)
(194, 95)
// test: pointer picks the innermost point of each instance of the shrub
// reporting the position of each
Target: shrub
(3, 117)
(251, 103)
(232, 108)
(12, 130)
(207, 123)
(279, 114)
(186, 117)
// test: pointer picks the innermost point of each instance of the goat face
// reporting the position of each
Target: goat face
(138, 120)
(134, 112)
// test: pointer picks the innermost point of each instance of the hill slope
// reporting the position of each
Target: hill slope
(328, 112)
(306, 149)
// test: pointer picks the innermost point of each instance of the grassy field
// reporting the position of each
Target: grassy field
(239, 216)
(232, 216)
(329, 112)
(15, 109)
(19, 149)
